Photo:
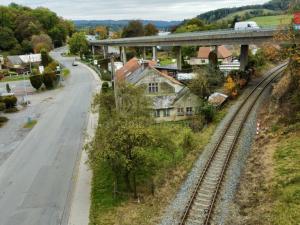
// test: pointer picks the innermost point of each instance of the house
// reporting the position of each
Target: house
(224, 56)
(172, 100)
(22, 62)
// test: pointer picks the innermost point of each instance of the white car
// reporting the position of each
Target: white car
(248, 25)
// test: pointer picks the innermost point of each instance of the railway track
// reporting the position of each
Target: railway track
(200, 207)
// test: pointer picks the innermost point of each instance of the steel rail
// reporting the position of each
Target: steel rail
(273, 75)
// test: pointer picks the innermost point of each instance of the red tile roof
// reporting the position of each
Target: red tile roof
(134, 64)
(131, 66)
(223, 52)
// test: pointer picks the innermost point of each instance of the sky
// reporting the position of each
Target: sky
(132, 9)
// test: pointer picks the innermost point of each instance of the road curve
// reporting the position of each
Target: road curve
(35, 181)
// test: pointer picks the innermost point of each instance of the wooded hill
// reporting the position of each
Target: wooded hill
(273, 7)
(19, 25)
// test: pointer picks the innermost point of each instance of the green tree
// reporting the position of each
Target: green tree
(150, 30)
(49, 78)
(134, 28)
(199, 85)
(42, 41)
(7, 39)
(124, 135)
(78, 44)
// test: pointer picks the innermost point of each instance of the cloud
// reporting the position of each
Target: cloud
(132, 9)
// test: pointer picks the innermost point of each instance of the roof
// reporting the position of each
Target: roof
(217, 99)
(15, 60)
(24, 59)
(131, 66)
(163, 102)
(133, 70)
(223, 52)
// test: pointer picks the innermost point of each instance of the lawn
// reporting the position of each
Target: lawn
(172, 169)
(242, 13)
(269, 21)
(14, 78)
(286, 188)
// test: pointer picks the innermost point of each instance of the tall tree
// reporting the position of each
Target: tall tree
(150, 30)
(78, 44)
(134, 28)
(42, 41)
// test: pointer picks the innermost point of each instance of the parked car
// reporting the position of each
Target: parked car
(248, 25)
(74, 63)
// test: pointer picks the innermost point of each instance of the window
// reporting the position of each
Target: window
(189, 111)
(157, 113)
(166, 112)
(203, 61)
(153, 87)
(180, 112)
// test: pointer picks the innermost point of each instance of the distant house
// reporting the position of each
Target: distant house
(22, 62)
(172, 100)
(224, 56)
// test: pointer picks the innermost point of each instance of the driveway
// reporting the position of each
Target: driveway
(36, 172)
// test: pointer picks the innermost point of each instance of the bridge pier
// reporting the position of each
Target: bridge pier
(144, 53)
(123, 55)
(105, 51)
(154, 53)
(244, 56)
(178, 57)
(93, 51)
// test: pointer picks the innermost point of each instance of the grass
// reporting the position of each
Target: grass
(30, 124)
(166, 62)
(170, 173)
(66, 73)
(266, 21)
(242, 13)
(286, 189)
(14, 78)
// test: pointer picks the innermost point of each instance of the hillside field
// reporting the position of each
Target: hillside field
(266, 21)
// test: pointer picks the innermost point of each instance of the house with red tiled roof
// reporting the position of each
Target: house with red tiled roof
(224, 55)
(172, 100)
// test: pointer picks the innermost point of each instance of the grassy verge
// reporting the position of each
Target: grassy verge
(286, 189)
(30, 124)
(3, 120)
(14, 78)
(66, 73)
(171, 171)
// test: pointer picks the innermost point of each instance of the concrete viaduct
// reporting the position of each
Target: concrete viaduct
(244, 38)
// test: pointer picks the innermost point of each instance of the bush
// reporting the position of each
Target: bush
(105, 75)
(36, 81)
(105, 86)
(49, 78)
(208, 111)
(53, 65)
(3, 73)
(9, 101)
(3, 119)
(2, 106)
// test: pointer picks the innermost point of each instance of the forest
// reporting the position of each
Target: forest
(22, 28)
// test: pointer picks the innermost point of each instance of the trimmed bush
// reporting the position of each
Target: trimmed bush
(2, 106)
(208, 111)
(3, 119)
(49, 78)
(36, 81)
(9, 101)
(53, 65)
(105, 86)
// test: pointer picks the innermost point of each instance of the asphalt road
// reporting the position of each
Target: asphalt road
(35, 181)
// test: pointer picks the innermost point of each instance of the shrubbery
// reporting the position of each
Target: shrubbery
(9, 101)
(49, 78)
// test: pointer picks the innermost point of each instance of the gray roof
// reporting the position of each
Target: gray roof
(163, 102)
(15, 60)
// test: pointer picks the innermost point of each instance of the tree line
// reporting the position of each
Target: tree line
(25, 30)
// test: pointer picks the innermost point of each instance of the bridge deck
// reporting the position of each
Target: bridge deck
(216, 37)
